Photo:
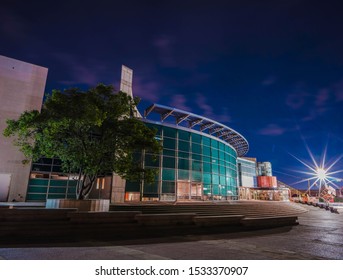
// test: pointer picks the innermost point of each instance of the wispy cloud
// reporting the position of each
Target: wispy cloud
(322, 97)
(270, 80)
(272, 130)
(164, 46)
(220, 116)
(319, 105)
(146, 89)
(338, 91)
(81, 72)
(296, 99)
(203, 104)
(311, 105)
(179, 101)
(321, 102)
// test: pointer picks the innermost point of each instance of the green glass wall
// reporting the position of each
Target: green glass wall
(191, 166)
(48, 181)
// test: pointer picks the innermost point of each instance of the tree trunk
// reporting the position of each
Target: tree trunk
(85, 186)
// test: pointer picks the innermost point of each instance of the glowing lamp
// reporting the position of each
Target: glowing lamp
(321, 173)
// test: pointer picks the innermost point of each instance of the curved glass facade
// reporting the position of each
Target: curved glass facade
(192, 166)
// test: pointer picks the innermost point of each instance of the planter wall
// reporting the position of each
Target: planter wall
(97, 205)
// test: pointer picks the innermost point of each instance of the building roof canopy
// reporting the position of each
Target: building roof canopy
(206, 125)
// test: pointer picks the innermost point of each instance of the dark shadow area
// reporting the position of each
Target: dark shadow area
(148, 235)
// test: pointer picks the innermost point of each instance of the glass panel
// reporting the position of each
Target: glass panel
(35, 197)
(196, 176)
(57, 190)
(32, 189)
(57, 169)
(222, 170)
(196, 138)
(207, 189)
(72, 182)
(215, 153)
(227, 157)
(196, 165)
(183, 175)
(169, 132)
(207, 178)
(151, 160)
(215, 189)
(38, 182)
(221, 155)
(44, 161)
(58, 182)
(71, 195)
(71, 190)
(207, 167)
(40, 167)
(57, 161)
(215, 179)
(206, 151)
(168, 174)
(132, 186)
(169, 162)
(214, 143)
(196, 157)
(155, 127)
(183, 146)
(206, 159)
(215, 168)
(169, 143)
(206, 141)
(227, 148)
(168, 187)
(151, 189)
(184, 135)
(56, 196)
(221, 147)
(183, 155)
(168, 152)
(183, 164)
(196, 148)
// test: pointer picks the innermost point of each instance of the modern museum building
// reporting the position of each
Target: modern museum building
(201, 158)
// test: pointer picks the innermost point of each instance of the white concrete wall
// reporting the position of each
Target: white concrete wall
(247, 181)
(22, 88)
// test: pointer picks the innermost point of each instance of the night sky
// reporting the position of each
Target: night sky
(272, 70)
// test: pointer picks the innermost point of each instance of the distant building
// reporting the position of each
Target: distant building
(246, 172)
(21, 88)
(264, 169)
(265, 178)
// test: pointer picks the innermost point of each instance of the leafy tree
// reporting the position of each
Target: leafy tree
(93, 132)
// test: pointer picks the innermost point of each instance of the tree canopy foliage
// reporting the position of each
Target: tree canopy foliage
(93, 132)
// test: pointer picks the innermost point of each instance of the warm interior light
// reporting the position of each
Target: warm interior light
(321, 174)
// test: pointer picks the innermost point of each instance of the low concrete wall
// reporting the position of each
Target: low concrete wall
(103, 217)
(269, 222)
(208, 221)
(33, 214)
(98, 205)
(165, 219)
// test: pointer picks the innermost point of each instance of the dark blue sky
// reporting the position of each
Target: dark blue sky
(272, 70)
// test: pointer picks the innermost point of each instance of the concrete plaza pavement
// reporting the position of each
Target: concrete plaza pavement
(319, 235)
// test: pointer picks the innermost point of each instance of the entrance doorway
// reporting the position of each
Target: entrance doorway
(187, 191)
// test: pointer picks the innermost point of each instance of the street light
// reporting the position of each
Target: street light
(321, 174)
